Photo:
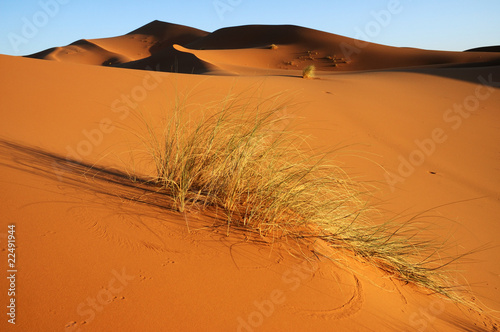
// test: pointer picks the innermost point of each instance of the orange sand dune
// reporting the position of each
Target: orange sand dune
(229, 48)
(171, 59)
(103, 254)
(326, 51)
(138, 44)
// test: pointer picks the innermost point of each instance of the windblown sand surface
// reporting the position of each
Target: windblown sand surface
(423, 126)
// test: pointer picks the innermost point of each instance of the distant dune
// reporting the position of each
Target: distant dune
(485, 49)
(140, 44)
(176, 48)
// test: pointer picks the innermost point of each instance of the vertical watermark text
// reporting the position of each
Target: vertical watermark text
(11, 273)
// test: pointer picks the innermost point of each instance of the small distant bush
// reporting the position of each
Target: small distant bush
(309, 71)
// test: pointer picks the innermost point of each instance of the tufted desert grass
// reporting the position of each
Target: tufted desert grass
(245, 161)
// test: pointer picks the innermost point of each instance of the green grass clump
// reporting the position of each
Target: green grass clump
(243, 161)
(309, 71)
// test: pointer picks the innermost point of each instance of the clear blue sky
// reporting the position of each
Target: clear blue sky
(29, 26)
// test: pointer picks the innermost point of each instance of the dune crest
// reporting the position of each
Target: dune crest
(242, 47)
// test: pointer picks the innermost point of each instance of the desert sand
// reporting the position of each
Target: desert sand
(421, 126)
